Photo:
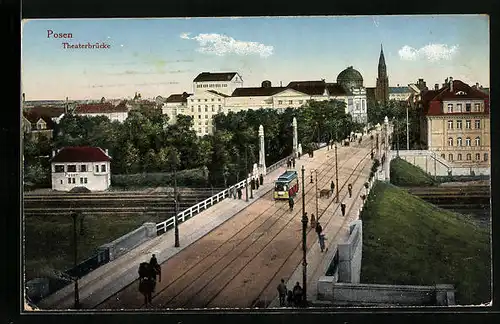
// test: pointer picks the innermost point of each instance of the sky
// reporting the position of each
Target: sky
(163, 56)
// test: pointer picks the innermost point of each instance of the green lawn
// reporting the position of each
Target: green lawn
(48, 239)
(406, 174)
(410, 242)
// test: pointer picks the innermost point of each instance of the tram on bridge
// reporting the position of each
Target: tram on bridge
(286, 186)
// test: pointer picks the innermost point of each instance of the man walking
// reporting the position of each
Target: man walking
(282, 292)
(297, 294)
(313, 221)
(342, 207)
(290, 203)
(319, 229)
(349, 188)
(293, 162)
(322, 242)
(332, 186)
(239, 193)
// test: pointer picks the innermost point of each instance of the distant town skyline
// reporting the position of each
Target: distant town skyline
(114, 58)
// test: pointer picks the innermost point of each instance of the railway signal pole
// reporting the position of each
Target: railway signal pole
(304, 246)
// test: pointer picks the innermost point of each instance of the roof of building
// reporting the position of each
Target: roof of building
(208, 76)
(49, 111)
(218, 93)
(100, 108)
(34, 117)
(349, 74)
(461, 91)
(81, 154)
(178, 97)
(399, 89)
(255, 92)
(312, 88)
(336, 89)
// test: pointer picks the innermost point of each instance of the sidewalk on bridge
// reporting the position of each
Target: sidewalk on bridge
(110, 278)
(336, 231)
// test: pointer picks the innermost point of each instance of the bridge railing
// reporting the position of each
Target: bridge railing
(207, 203)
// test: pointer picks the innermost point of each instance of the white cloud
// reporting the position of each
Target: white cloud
(221, 45)
(431, 52)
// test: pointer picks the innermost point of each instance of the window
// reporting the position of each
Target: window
(206, 130)
(468, 157)
(459, 124)
(206, 122)
(459, 107)
(199, 116)
(301, 101)
(206, 108)
(81, 180)
(199, 122)
(192, 108)
(450, 124)
(213, 108)
(477, 123)
(467, 141)
(72, 168)
(450, 157)
(74, 180)
(199, 101)
(477, 107)
(212, 99)
(291, 102)
(206, 116)
(83, 168)
(69, 180)
(467, 124)
(280, 102)
(467, 107)
(478, 141)
(192, 100)
(459, 141)
(486, 156)
(199, 129)
(103, 167)
(59, 168)
(478, 156)
(220, 107)
(450, 141)
(84, 180)
(206, 101)
(459, 156)
(219, 99)
(199, 109)
(450, 108)
(96, 168)
(443, 156)
(61, 181)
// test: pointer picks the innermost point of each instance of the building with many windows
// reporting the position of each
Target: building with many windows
(456, 123)
(81, 167)
(215, 93)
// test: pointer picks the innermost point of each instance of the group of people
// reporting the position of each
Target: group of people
(147, 278)
(291, 298)
(290, 163)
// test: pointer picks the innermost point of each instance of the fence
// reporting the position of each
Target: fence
(207, 203)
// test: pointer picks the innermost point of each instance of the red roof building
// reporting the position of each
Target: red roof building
(81, 154)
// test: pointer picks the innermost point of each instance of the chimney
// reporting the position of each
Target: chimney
(281, 84)
(106, 150)
(54, 153)
(436, 86)
(451, 84)
(477, 85)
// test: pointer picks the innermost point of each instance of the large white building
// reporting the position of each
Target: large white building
(81, 167)
(215, 93)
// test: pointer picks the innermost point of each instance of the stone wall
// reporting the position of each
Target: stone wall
(350, 254)
(127, 242)
(373, 294)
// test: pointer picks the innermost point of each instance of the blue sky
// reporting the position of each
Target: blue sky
(163, 56)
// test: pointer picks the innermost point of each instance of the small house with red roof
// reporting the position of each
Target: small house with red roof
(37, 124)
(81, 166)
(455, 123)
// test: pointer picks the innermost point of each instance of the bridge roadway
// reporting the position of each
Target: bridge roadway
(240, 262)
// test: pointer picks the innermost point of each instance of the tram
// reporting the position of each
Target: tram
(287, 185)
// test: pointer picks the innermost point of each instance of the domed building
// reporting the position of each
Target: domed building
(350, 78)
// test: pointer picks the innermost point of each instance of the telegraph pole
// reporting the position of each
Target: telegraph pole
(304, 235)
(336, 174)
(176, 219)
(246, 174)
(75, 254)
(407, 130)
(317, 213)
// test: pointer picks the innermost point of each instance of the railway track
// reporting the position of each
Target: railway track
(203, 274)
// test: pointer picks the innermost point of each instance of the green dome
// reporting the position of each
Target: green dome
(350, 78)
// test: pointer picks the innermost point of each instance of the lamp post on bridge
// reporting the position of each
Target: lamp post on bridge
(174, 161)
(316, 175)
(304, 236)
(336, 175)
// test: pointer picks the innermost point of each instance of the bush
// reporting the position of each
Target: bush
(186, 178)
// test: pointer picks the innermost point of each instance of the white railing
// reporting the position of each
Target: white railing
(207, 203)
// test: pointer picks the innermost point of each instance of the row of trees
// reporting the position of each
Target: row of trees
(146, 143)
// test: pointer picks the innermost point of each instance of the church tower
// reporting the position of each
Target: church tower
(382, 88)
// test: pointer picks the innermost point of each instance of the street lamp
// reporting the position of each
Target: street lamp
(316, 173)
(336, 174)
(304, 246)
(75, 254)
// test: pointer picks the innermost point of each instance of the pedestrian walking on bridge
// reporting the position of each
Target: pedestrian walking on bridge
(298, 293)
(290, 203)
(322, 242)
(332, 186)
(319, 229)
(342, 207)
(313, 221)
(293, 162)
(349, 188)
(239, 193)
(261, 179)
(282, 290)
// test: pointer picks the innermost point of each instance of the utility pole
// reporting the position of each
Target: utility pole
(407, 130)
(246, 174)
(75, 254)
(304, 246)
(317, 213)
(336, 174)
